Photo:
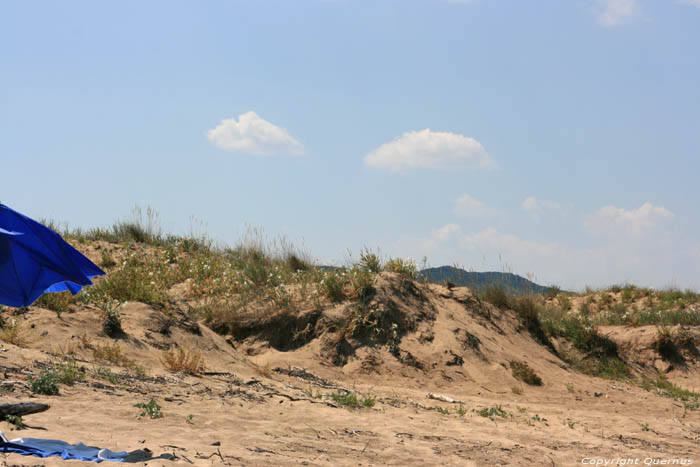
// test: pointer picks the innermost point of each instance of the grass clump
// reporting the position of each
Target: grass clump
(348, 399)
(370, 262)
(107, 261)
(183, 361)
(112, 353)
(496, 295)
(332, 285)
(524, 373)
(407, 268)
(12, 333)
(59, 302)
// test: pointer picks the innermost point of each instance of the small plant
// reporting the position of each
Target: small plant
(347, 399)
(68, 373)
(368, 402)
(644, 426)
(516, 390)
(524, 373)
(151, 408)
(112, 325)
(183, 360)
(493, 411)
(569, 387)
(570, 424)
(15, 420)
(537, 418)
(443, 411)
(107, 261)
(45, 383)
(107, 374)
(461, 410)
(189, 418)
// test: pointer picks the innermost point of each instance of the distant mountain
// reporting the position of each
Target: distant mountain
(478, 280)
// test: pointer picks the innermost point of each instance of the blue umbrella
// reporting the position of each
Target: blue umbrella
(34, 259)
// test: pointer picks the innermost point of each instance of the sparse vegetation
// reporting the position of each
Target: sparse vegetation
(112, 353)
(665, 388)
(495, 411)
(107, 375)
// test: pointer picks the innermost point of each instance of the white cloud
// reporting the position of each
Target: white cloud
(434, 150)
(536, 207)
(468, 206)
(425, 245)
(253, 135)
(613, 13)
(614, 221)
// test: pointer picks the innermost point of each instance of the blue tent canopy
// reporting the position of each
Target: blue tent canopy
(34, 259)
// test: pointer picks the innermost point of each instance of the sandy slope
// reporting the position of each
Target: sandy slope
(258, 405)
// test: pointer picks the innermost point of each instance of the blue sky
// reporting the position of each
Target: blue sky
(553, 138)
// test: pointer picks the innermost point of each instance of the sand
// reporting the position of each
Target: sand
(259, 405)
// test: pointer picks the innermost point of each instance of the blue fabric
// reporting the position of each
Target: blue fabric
(30, 451)
(35, 259)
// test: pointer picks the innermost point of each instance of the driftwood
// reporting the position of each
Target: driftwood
(439, 397)
(22, 408)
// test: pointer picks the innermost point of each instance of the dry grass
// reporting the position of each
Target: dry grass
(112, 353)
(183, 361)
(12, 333)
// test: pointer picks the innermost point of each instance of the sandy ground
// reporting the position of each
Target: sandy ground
(257, 405)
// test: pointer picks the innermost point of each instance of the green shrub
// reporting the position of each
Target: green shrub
(150, 408)
(45, 383)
